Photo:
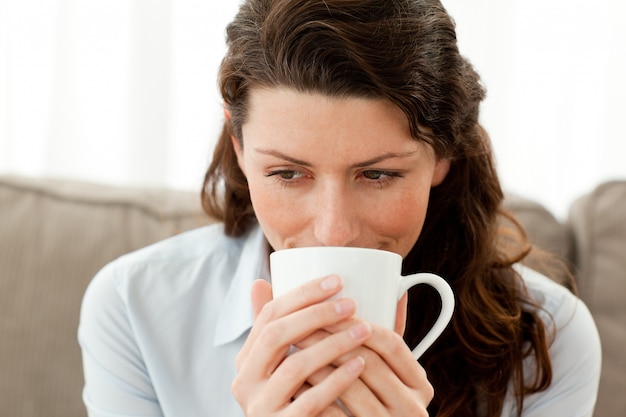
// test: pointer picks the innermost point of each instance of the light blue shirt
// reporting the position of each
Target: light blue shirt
(160, 329)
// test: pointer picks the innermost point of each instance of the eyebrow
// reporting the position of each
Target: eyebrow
(375, 160)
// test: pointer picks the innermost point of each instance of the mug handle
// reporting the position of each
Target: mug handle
(447, 306)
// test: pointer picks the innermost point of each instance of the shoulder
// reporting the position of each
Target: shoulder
(574, 347)
(206, 245)
(557, 303)
(560, 309)
(185, 283)
(149, 315)
(196, 264)
(188, 246)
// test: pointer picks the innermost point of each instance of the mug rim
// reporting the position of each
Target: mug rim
(335, 249)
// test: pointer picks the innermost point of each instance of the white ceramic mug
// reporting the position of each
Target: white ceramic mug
(371, 277)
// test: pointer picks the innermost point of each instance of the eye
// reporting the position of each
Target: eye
(285, 174)
(373, 175)
(380, 178)
(378, 175)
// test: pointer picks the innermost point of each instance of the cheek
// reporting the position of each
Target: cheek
(266, 207)
(402, 218)
(278, 218)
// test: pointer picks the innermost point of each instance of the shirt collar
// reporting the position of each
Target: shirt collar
(236, 317)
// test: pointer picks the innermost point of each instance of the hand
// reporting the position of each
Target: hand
(268, 379)
(392, 384)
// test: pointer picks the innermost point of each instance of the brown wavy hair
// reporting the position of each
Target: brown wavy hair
(404, 51)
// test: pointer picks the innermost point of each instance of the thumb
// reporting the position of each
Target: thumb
(400, 325)
(261, 294)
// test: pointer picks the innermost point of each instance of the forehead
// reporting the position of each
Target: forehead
(280, 108)
(310, 124)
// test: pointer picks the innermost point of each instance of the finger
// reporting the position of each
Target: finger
(301, 364)
(390, 369)
(261, 294)
(308, 294)
(400, 325)
(271, 346)
(321, 397)
(305, 386)
(387, 345)
(392, 373)
(357, 399)
(333, 410)
(394, 352)
(311, 293)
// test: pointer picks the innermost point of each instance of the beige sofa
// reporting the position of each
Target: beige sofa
(55, 235)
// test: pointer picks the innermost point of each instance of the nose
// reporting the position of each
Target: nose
(336, 216)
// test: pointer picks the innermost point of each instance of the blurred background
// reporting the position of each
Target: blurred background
(124, 91)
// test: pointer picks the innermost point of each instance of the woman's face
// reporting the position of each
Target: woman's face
(335, 171)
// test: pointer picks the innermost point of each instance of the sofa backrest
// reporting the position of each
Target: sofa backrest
(593, 243)
(54, 236)
(546, 233)
(598, 222)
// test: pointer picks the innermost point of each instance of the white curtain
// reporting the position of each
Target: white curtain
(124, 91)
(555, 72)
(113, 91)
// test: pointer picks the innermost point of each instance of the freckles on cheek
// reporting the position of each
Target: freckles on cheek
(263, 203)
(404, 218)
(276, 216)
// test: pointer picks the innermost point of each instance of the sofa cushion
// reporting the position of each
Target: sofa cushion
(598, 221)
(543, 229)
(55, 235)
(546, 234)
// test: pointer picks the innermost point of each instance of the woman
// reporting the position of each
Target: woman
(348, 123)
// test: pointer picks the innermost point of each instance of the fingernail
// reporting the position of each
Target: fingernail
(344, 306)
(356, 364)
(359, 331)
(331, 283)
